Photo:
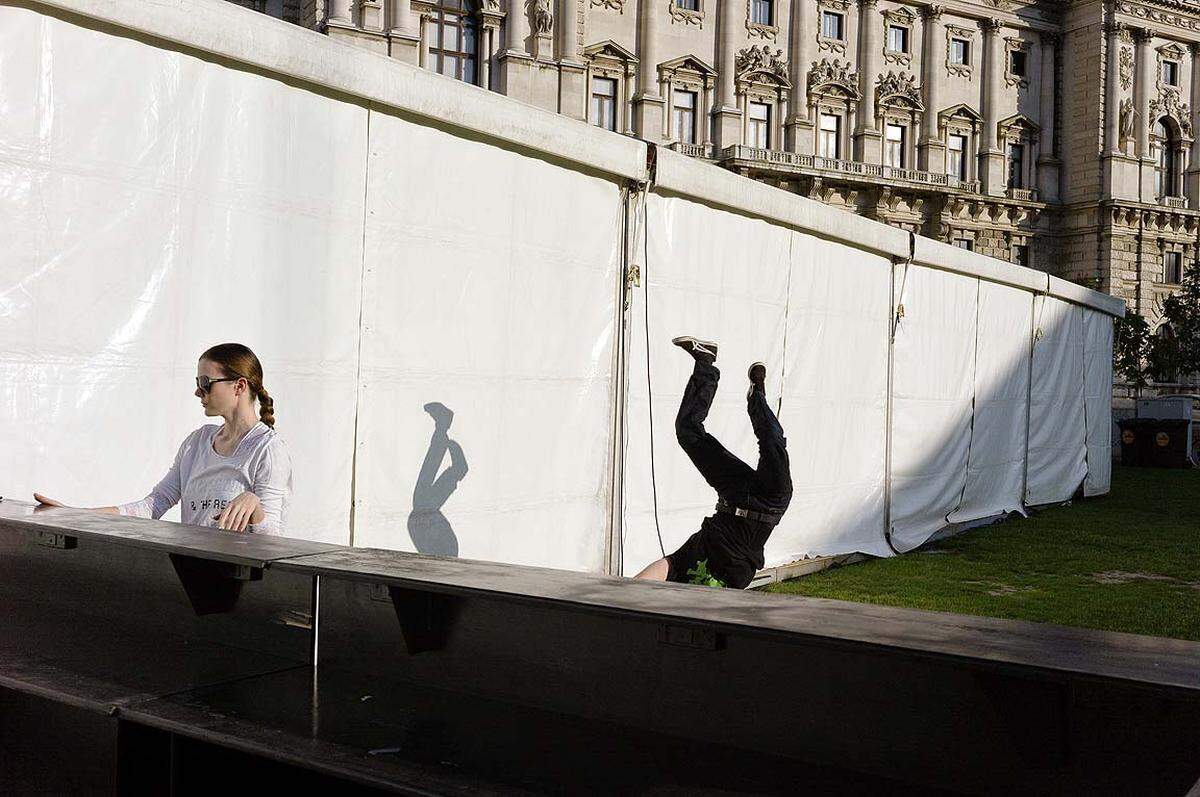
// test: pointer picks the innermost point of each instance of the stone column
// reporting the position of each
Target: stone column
(1112, 94)
(704, 121)
(931, 150)
(1048, 163)
(404, 43)
(568, 43)
(340, 12)
(1143, 93)
(647, 103)
(627, 99)
(572, 83)
(1143, 89)
(797, 123)
(727, 117)
(991, 155)
(1193, 172)
(518, 27)
(866, 136)
(515, 62)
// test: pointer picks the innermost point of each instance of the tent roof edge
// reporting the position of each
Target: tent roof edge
(253, 39)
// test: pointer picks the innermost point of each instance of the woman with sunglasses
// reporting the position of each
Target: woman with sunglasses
(235, 476)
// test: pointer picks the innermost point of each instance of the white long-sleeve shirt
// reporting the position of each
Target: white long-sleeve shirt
(203, 482)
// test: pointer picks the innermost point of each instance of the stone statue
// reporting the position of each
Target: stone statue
(543, 16)
(1129, 120)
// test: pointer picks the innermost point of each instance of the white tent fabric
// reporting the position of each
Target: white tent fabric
(932, 386)
(1057, 438)
(1098, 379)
(718, 276)
(398, 247)
(995, 473)
(834, 409)
(496, 299)
(149, 210)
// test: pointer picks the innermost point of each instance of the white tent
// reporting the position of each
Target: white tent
(404, 252)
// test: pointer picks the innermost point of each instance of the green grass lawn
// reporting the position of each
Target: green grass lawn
(1127, 561)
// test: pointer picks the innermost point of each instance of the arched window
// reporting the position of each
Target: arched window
(1165, 145)
(452, 39)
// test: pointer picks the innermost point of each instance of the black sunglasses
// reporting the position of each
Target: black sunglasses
(205, 383)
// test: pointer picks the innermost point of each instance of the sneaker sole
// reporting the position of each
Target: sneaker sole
(689, 339)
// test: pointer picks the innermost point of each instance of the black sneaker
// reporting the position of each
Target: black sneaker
(758, 378)
(702, 350)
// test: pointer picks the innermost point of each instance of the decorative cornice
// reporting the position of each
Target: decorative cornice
(1147, 11)
(833, 74)
(1168, 104)
(898, 89)
(761, 60)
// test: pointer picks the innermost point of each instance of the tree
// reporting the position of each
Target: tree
(1131, 355)
(1180, 353)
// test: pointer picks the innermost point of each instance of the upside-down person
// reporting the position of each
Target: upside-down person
(750, 501)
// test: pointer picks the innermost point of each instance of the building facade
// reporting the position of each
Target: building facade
(1055, 133)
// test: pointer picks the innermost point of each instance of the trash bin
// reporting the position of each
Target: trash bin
(1137, 441)
(1170, 444)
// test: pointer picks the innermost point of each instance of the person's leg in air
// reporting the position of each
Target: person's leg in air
(771, 486)
(723, 471)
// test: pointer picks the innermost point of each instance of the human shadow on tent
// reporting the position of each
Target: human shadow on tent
(429, 529)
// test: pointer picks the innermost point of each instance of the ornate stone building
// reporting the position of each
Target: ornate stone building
(1054, 133)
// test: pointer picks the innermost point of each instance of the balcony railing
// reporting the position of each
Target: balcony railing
(867, 171)
(1179, 202)
(693, 150)
(1027, 194)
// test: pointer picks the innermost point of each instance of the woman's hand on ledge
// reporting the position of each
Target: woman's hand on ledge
(45, 503)
(240, 512)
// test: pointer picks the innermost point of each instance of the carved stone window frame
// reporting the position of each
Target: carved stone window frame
(833, 89)
(686, 16)
(608, 59)
(962, 120)
(966, 70)
(1015, 44)
(756, 30)
(901, 18)
(688, 73)
(841, 8)
(897, 96)
(1020, 129)
(1174, 53)
(773, 89)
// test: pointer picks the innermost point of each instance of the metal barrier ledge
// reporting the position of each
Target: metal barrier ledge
(278, 662)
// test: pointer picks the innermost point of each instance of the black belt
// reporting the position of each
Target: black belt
(762, 517)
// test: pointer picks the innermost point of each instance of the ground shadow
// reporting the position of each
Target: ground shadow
(429, 529)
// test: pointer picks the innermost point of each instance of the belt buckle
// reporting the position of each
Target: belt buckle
(741, 512)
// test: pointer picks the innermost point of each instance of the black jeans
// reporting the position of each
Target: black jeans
(766, 488)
